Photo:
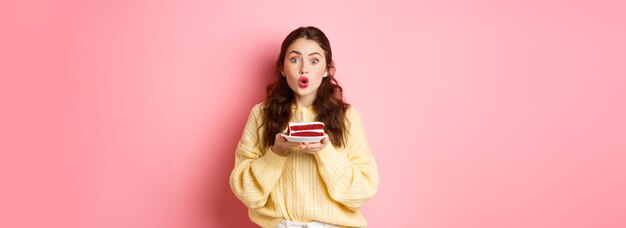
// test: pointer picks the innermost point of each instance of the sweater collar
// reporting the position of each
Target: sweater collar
(302, 114)
(295, 107)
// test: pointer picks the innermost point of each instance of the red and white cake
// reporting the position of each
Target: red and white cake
(306, 129)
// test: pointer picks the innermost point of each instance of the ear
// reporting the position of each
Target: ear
(329, 70)
(282, 73)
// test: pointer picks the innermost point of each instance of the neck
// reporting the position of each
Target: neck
(305, 101)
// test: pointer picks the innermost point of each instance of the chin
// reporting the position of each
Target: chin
(304, 92)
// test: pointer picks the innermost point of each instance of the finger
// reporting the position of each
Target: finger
(291, 144)
(281, 139)
(278, 138)
(315, 146)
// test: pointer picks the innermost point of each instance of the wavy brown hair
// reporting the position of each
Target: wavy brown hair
(329, 104)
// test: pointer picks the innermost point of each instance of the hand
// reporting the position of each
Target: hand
(282, 146)
(312, 148)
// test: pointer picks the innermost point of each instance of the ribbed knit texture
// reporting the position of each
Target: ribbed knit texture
(328, 187)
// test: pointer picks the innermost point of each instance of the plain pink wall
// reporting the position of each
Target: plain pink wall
(479, 113)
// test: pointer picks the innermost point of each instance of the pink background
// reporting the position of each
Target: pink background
(479, 113)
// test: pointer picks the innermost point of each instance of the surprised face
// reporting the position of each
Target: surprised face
(304, 68)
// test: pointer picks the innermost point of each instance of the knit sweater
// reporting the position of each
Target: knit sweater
(330, 186)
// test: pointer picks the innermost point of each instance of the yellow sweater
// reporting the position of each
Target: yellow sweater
(328, 187)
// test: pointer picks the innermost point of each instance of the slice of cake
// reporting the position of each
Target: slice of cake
(306, 129)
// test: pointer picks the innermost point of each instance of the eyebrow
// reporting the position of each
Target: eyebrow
(297, 52)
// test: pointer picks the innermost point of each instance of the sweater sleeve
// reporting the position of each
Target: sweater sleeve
(257, 170)
(351, 176)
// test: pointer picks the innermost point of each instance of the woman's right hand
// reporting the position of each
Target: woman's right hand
(282, 146)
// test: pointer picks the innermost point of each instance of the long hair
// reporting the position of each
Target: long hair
(329, 104)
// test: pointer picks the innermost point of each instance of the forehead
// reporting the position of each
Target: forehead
(305, 46)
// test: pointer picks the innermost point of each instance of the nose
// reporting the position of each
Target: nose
(304, 69)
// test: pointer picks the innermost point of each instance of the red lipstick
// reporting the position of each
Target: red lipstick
(303, 82)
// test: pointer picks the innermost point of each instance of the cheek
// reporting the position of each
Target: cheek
(319, 80)
(290, 69)
(319, 73)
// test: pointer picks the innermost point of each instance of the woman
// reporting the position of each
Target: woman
(319, 184)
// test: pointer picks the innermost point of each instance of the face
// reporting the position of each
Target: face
(304, 67)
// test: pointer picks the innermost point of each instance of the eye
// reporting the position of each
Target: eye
(315, 61)
(295, 60)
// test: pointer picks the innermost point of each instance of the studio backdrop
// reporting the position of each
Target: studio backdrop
(479, 113)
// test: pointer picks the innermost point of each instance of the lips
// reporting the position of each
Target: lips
(303, 82)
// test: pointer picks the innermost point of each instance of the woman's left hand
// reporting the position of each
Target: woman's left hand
(315, 147)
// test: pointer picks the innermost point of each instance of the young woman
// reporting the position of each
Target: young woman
(317, 184)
